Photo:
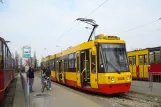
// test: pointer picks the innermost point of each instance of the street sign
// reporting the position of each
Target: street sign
(26, 52)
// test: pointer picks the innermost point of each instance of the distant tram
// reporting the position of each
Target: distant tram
(99, 65)
(145, 62)
(6, 67)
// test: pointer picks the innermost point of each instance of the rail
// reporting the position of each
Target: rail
(25, 87)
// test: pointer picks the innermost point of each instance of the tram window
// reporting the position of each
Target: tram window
(0, 47)
(1, 54)
(101, 66)
(7, 59)
(72, 67)
(57, 65)
(151, 57)
(134, 60)
(145, 59)
(72, 63)
(65, 66)
(130, 60)
(157, 57)
(140, 60)
(93, 62)
(78, 63)
(52, 64)
(4, 56)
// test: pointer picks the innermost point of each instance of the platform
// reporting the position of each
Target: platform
(59, 96)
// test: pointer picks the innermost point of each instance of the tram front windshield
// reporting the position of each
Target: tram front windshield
(114, 57)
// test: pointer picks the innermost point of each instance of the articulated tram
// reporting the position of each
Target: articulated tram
(99, 65)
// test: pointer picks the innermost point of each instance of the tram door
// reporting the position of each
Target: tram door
(62, 72)
(57, 71)
(78, 71)
(93, 68)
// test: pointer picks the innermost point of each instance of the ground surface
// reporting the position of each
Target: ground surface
(9, 94)
(130, 99)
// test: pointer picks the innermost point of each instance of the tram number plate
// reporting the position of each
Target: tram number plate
(120, 78)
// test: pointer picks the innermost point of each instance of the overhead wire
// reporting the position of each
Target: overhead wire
(85, 17)
(142, 25)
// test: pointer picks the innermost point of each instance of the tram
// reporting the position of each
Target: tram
(145, 62)
(6, 67)
(99, 65)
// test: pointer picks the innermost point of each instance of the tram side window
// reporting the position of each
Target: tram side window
(66, 65)
(72, 60)
(4, 56)
(151, 57)
(78, 64)
(140, 60)
(52, 64)
(134, 60)
(93, 61)
(1, 60)
(155, 57)
(145, 59)
(130, 60)
(7, 59)
(57, 65)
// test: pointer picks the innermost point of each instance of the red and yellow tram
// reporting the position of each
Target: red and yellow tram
(6, 67)
(144, 62)
(98, 65)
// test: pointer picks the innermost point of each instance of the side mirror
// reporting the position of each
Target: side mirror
(93, 50)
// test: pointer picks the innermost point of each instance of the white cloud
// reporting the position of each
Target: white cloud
(39, 23)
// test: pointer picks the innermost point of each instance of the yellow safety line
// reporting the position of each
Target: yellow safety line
(5, 87)
(2, 90)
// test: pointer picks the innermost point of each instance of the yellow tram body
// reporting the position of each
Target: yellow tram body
(138, 63)
(85, 66)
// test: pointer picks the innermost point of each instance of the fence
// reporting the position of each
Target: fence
(151, 83)
(25, 87)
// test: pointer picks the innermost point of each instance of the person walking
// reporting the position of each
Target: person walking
(31, 78)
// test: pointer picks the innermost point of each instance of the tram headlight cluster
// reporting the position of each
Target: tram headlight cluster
(113, 79)
(128, 78)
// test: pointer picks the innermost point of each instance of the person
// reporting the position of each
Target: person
(43, 77)
(31, 78)
(48, 74)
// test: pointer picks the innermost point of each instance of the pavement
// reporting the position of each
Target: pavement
(57, 97)
(60, 96)
(19, 100)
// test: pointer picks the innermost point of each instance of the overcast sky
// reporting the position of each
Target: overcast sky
(40, 23)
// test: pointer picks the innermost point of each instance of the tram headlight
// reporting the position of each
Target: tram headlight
(112, 79)
(128, 78)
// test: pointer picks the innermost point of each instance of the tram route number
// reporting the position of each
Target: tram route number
(120, 78)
